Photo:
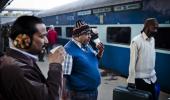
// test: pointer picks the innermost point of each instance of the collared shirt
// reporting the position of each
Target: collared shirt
(142, 59)
(68, 62)
(78, 44)
(26, 53)
(67, 65)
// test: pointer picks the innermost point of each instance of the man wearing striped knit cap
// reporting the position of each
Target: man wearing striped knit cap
(81, 67)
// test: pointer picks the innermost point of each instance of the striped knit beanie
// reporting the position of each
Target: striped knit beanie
(80, 28)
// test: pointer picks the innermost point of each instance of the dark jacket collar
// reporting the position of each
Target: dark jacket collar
(20, 56)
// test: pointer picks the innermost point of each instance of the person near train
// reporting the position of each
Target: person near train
(52, 37)
(20, 76)
(81, 66)
(142, 74)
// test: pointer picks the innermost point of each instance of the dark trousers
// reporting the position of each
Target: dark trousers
(142, 85)
(83, 95)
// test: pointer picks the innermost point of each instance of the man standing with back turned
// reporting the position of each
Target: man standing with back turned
(142, 73)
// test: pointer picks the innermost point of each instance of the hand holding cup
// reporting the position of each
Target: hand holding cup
(57, 55)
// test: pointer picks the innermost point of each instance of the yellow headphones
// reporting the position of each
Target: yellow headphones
(22, 41)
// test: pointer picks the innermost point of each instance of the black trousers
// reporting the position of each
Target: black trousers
(142, 85)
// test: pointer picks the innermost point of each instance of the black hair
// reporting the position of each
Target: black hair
(25, 25)
(148, 22)
(1, 54)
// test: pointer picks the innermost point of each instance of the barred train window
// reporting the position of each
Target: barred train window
(69, 31)
(93, 27)
(119, 35)
(58, 30)
(162, 38)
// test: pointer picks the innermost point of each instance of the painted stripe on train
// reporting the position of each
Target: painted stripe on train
(124, 17)
(163, 70)
(117, 59)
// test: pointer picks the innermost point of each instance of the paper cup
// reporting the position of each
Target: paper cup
(54, 49)
(97, 41)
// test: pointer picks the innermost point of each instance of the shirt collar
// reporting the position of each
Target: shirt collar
(78, 43)
(26, 53)
(145, 36)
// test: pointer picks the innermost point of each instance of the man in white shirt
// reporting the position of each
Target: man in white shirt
(142, 73)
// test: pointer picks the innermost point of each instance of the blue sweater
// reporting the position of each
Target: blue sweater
(85, 75)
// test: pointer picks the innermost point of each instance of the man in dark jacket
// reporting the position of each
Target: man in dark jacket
(20, 77)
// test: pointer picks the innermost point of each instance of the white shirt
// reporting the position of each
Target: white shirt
(142, 59)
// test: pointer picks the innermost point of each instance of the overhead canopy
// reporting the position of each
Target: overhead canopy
(3, 4)
(82, 5)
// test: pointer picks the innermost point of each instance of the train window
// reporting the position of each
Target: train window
(69, 31)
(58, 30)
(93, 27)
(162, 38)
(118, 35)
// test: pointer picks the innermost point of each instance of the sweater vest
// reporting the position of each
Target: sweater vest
(85, 74)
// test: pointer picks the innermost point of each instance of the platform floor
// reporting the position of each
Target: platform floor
(108, 83)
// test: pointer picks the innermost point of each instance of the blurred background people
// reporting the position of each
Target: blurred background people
(52, 38)
(5, 31)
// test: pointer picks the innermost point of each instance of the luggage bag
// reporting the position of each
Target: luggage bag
(124, 93)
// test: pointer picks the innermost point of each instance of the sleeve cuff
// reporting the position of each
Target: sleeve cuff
(55, 66)
(131, 80)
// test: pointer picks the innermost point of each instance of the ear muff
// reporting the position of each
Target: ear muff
(22, 41)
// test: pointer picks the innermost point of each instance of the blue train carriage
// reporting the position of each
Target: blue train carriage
(118, 21)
